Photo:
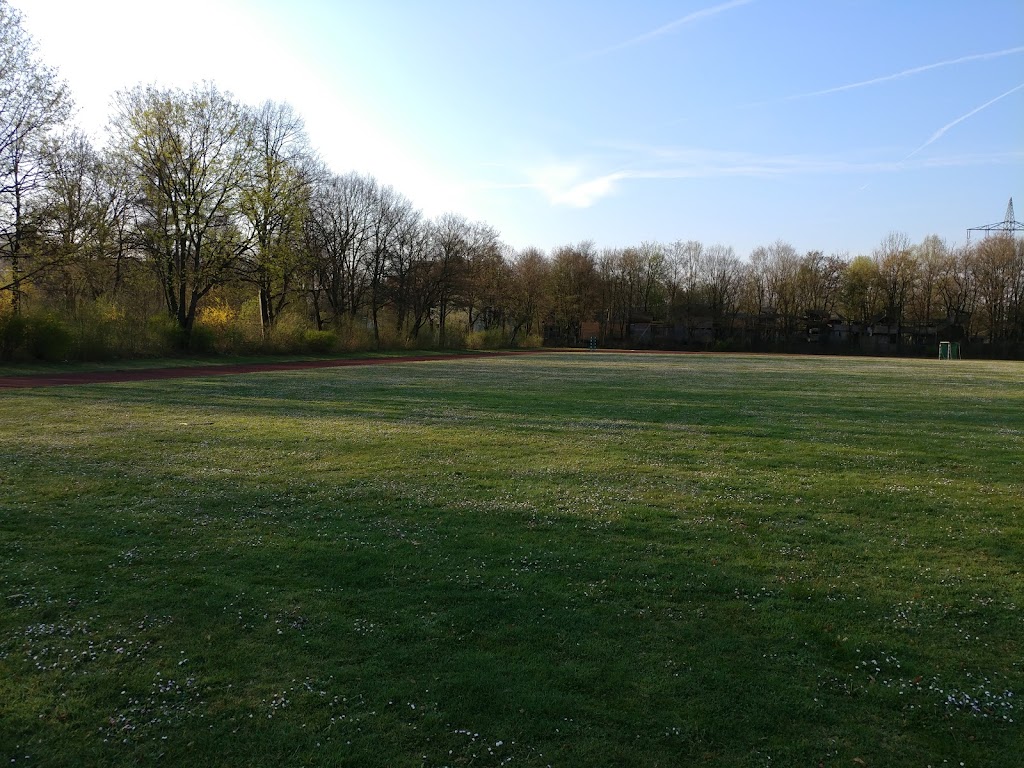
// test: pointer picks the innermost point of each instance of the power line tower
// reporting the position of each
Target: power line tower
(1007, 226)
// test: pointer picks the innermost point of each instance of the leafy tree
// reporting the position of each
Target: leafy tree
(273, 202)
(81, 219)
(861, 296)
(188, 153)
(485, 280)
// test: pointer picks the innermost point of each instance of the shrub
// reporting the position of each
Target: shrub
(223, 328)
(287, 333)
(533, 341)
(493, 338)
(166, 335)
(47, 338)
(356, 336)
(320, 342)
(12, 334)
(96, 329)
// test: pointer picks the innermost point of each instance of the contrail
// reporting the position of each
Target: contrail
(939, 133)
(909, 72)
(671, 26)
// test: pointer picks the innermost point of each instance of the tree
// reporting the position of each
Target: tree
(336, 232)
(573, 287)
(33, 101)
(274, 202)
(80, 216)
(684, 282)
(998, 273)
(528, 292)
(785, 269)
(485, 279)
(453, 240)
(930, 256)
(957, 290)
(188, 153)
(897, 274)
(723, 274)
(861, 297)
(613, 292)
(408, 277)
(819, 280)
(389, 213)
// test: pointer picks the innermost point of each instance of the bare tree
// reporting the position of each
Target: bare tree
(819, 281)
(723, 274)
(409, 263)
(337, 230)
(528, 292)
(455, 241)
(998, 273)
(485, 279)
(931, 256)
(897, 275)
(573, 287)
(389, 213)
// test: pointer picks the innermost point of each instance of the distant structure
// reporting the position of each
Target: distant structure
(1005, 227)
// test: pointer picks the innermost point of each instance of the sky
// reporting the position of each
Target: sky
(826, 124)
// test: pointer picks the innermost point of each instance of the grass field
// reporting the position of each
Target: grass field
(566, 560)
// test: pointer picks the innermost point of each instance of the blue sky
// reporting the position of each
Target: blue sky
(825, 123)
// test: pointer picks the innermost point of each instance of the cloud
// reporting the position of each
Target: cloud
(672, 26)
(564, 185)
(569, 185)
(909, 72)
(939, 133)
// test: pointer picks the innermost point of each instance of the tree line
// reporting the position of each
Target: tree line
(206, 223)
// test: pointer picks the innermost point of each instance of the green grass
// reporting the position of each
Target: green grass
(566, 559)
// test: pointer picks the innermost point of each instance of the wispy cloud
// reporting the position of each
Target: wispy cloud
(672, 26)
(910, 72)
(939, 133)
(566, 185)
(571, 185)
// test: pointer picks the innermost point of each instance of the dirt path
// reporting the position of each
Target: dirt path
(103, 377)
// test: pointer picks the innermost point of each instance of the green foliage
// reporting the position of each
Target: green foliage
(201, 340)
(498, 338)
(12, 334)
(493, 338)
(168, 338)
(585, 559)
(95, 332)
(320, 342)
(355, 336)
(48, 338)
(38, 335)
